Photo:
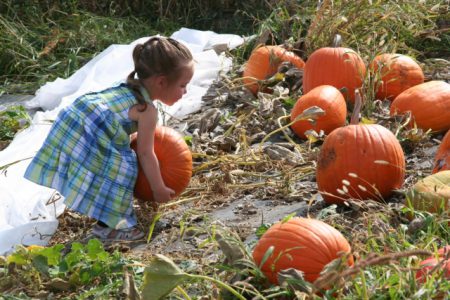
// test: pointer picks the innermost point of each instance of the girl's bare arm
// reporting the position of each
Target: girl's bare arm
(146, 154)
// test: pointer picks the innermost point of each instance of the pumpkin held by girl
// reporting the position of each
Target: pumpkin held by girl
(175, 163)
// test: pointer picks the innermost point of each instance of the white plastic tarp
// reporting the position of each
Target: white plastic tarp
(28, 212)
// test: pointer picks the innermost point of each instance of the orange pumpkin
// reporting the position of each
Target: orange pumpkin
(263, 63)
(427, 265)
(429, 104)
(175, 163)
(337, 66)
(442, 157)
(359, 161)
(300, 243)
(397, 73)
(327, 98)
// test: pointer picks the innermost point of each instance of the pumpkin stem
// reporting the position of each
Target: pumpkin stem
(337, 41)
(357, 109)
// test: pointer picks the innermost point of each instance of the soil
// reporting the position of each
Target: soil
(248, 174)
(245, 177)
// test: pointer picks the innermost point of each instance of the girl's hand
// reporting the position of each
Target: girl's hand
(163, 194)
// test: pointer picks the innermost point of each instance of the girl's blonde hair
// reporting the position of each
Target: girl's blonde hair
(157, 56)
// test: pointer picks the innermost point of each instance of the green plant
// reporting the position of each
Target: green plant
(88, 269)
(12, 120)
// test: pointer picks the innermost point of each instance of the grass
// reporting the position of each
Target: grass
(39, 46)
(45, 40)
(387, 255)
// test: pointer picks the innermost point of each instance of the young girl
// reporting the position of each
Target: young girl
(87, 155)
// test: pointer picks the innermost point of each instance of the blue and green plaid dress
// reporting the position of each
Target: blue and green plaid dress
(88, 159)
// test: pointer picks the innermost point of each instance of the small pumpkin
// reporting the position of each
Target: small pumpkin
(429, 104)
(175, 163)
(359, 161)
(431, 193)
(442, 157)
(329, 99)
(263, 63)
(429, 264)
(340, 67)
(397, 73)
(300, 243)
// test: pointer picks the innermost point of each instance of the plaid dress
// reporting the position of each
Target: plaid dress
(88, 159)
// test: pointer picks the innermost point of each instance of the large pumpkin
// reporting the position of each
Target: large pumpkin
(429, 104)
(340, 67)
(429, 264)
(431, 193)
(330, 100)
(300, 243)
(175, 162)
(359, 161)
(263, 63)
(442, 157)
(396, 73)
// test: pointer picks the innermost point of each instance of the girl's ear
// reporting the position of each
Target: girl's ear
(161, 81)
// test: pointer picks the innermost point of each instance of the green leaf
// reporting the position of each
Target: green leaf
(266, 256)
(262, 229)
(289, 102)
(77, 246)
(95, 250)
(18, 258)
(188, 140)
(86, 276)
(71, 260)
(161, 276)
(53, 254)
(40, 262)
(288, 217)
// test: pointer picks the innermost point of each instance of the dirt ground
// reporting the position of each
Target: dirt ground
(243, 180)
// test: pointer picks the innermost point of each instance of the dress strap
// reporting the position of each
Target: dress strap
(145, 95)
(147, 98)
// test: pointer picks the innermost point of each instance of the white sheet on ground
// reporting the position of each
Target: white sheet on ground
(28, 212)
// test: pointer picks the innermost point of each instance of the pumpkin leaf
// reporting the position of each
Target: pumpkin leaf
(161, 276)
(312, 112)
(40, 262)
(19, 258)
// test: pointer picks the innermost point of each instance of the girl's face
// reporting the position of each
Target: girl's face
(172, 92)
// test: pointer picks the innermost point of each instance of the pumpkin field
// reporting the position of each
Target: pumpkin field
(317, 168)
